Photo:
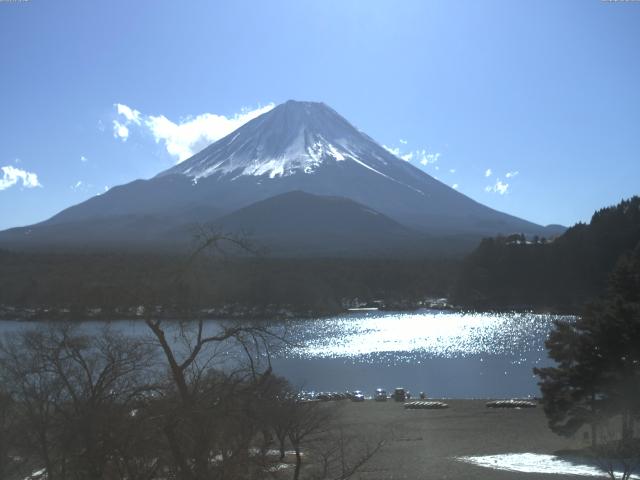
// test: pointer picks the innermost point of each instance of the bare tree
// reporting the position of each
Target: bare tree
(71, 390)
(217, 374)
(341, 455)
(197, 401)
(10, 432)
(617, 456)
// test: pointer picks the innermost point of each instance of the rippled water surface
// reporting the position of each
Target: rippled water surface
(418, 335)
(445, 354)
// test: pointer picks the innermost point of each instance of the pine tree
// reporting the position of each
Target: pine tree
(597, 372)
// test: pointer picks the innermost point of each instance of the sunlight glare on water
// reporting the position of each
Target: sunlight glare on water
(429, 334)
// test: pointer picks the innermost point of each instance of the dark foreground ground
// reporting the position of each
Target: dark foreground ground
(423, 444)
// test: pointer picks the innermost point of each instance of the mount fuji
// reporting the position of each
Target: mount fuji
(297, 165)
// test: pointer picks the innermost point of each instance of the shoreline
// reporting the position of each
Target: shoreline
(33, 314)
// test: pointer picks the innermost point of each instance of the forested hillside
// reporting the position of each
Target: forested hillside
(118, 283)
(563, 274)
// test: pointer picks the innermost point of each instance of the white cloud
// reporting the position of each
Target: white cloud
(132, 116)
(188, 136)
(422, 156)
(83, 186)
(12, 175)
(512, 174)
(454, 186)
(452, 170)
(499, 187)
(488, 172)
(83, 159)
(427, 158)
(395, 151)
(120, 130)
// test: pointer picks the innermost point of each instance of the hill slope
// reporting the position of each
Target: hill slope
(505, 272)
(298, 222)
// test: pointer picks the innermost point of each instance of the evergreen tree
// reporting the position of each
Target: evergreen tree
(597, 372)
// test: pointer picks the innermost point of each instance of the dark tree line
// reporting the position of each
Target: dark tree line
(562, 274)
(558, 274)
(116, 282)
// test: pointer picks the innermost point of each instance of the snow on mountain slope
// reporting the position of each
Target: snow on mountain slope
(308, 146)
(295, 137)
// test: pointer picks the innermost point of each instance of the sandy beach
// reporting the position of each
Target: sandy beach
(425, 444)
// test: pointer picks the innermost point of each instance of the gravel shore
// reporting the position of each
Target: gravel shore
(424, 444)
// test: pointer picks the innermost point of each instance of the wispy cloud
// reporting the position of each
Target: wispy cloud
(499, 187)
(454, 186)
(512, 174)
(487, 172)
(120, 130)
(13, 176)
(131, 115)
(105, 190)
(421, 156)
(83, 159)
(407, 157)
(452, 170)
(395, 151)
(188, 136)
(428, 158)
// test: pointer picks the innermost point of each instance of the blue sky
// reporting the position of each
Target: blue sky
(531, 108)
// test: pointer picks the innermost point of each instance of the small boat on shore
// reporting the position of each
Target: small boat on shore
(511, 404)
(425, 405)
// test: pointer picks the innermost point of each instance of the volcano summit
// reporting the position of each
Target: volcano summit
(302, 147)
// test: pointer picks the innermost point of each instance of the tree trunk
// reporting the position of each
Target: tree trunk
(296, 473)
(183, 469)
(281, 441)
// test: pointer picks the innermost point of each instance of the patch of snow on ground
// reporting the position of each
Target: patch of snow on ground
(535, 463)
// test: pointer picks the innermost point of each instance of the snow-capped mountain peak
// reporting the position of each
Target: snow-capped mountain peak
(295, 137)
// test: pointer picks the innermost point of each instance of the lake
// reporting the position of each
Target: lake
(445, 354)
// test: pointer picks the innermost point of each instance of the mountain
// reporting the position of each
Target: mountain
(297, 146)
(299, 222)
